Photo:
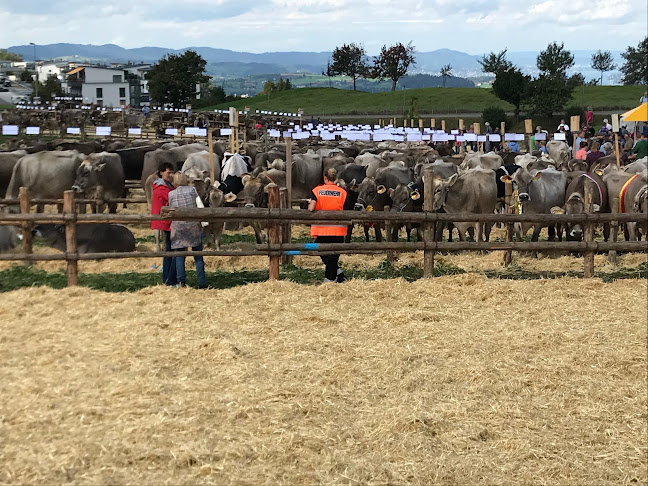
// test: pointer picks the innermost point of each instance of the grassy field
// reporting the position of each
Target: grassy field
(330, 101)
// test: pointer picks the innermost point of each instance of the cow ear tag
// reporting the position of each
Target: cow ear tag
(505, 178)
(381, 189)
(537, 176)
(415, 195)
(557, 210)
(596, 208)
(229, 197)
(599, 172)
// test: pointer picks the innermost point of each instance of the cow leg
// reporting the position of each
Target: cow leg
(257, 233)
(112, 208)
(408, 230)
(366, 232)
(551, 230)
(157, 235)
(534, 237)
(59, 208)
(378, 232)
(606, 231)
(632, 230)
(450, 227)
(347, 238)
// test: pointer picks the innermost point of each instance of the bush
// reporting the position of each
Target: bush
(573, 110)
(494, 115)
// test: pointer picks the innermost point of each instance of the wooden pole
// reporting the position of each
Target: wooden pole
(617, 149)
(71, 252)
(26, 226)
(421, 124)
(289, 170)
(432, 123)
(210, 143)
(443, 125)
(274, 231)
(502, 132)
(589, 230)
(528, 129)
(244, 139)
(285, 228)
(428, 228)
(614, 229)
(509, 208)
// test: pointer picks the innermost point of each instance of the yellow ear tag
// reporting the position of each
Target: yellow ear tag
(381, 189)
(229, 197)
(370, 208)
(599, 172)
(415, 196)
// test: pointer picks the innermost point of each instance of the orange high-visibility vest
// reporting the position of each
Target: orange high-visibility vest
(330, 197)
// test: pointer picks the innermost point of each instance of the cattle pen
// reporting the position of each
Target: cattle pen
(279, 219)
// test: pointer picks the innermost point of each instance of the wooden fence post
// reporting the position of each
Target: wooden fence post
(285, 228)
(71, 252)
(614, 229)
(428, 231)
(588, 256)
(210, 145)
(509, 208)
(26, 225)
(274, 231)
(289, 170)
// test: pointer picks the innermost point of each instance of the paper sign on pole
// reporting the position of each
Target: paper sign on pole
(615, 122)
(495, 137)
(171, 131)
(134, 131)
(10, 129)
(225, 131)
(73, 130)
(197, 132)
(559, 136)
(103, 131)
(540, 136)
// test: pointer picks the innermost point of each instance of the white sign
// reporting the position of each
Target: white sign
(197, 132)
(559, 136)
(495, 137)
(103, 131)
(540, 136)
(134, 131)
(328, 136)
(454, 132)
(481, 138)
(225, 131)
(510, 137)
(10, 129)
(470, 137)
(73, 130)
(171, 131)
(271, 133)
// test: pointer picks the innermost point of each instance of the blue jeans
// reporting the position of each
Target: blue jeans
(200, 266)
(168, 264)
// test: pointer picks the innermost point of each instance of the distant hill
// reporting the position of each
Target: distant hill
(227, 63)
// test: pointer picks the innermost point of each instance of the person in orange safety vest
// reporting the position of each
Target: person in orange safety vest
(329, 197)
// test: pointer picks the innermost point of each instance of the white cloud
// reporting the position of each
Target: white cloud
(321, 25)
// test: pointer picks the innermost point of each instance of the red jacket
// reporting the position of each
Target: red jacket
(160, 198)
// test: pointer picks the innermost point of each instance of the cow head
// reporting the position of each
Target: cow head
(200, 181)
(575, 204)
(441, 188)
(217, 197)
(522, 180)
(367, 195)
(87, 176)
(403, 197)
(255, 190)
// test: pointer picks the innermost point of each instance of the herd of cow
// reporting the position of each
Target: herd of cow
(377, 177)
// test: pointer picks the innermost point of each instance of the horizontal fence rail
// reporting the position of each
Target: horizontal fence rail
(279, 246)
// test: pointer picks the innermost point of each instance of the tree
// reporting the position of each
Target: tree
(603, 61)
(173, 79)
(555, 60)
(493, 63)
(5, 55)
(212, 95)
(393, 62)
(269, 87)
(549, 94)
(445, 72)
(511, 86)
(349, 60)
(50, 88)
(635, 66)
(26, 76)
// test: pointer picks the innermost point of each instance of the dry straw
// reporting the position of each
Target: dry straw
(456, 380)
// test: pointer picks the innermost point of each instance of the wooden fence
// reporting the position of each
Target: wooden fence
(279, 219)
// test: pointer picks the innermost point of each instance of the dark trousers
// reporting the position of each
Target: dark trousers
(169, 276)
(330, 261)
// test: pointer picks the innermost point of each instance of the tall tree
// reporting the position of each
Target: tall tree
(555, 60)
(349, 60)
(635, 66)
(173, 78)
(603, 61)
(5, 55)
(493, 63)
(512, 86)
(393, 62)
(445, 72)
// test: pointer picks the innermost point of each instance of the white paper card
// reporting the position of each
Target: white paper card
(197, 132)
(559, 136)
(103, 131)
(171, 131)
(519, 137)
(510, 137)
(134, 131)
(454, 132)
(73, 130)
(271, 133)
(540, 136)
(10, 129)
(225, 131)
(495, 137)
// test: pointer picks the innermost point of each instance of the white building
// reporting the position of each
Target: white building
(47, 69)
(100, 85)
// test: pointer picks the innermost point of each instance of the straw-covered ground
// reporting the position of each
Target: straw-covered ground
(462, 379)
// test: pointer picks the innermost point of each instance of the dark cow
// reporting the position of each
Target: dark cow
(406, 198)
(132, 160)
(472, 191)
(538, 192)
(100, 177)
(506, 170)
(91, 238)
(575, 202)
(7, 162)
(8, 238)
(349, 178)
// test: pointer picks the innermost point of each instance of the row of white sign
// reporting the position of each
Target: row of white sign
(378, 135)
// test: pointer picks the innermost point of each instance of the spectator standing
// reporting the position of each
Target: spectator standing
(640, 149)
(185, 234)
(563, 127)
(589, 116)
(162, 186)
(644, 98)
(594, 154)
(329, 197)
(582, 151)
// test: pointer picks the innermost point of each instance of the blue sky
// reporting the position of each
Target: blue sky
(474, 26)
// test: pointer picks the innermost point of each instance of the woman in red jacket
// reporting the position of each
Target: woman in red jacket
(161, 188)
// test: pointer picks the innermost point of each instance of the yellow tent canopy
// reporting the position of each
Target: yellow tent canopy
(640, 113)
